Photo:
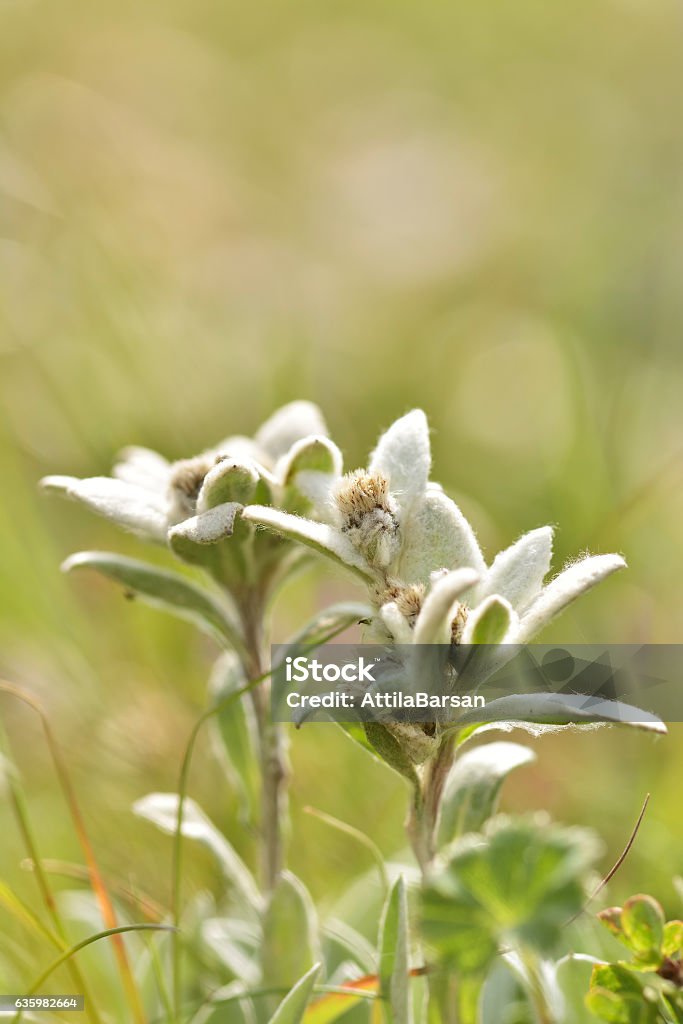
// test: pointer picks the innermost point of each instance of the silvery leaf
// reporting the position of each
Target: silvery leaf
(236, 944)
(317, 488)
(163, 589)
(403, 454)
(162, 810)
(191, 538)
(437, 536)
(394, 948)
(134, 508)
(288, 425)
(561, 709)
(143, 468)
(471, 790)
(517, 573)
(433, 624)
(564, 589)
(396, 622)
(235, 729)
(322, 538)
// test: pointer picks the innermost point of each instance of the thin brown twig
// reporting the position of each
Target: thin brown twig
(617, 864)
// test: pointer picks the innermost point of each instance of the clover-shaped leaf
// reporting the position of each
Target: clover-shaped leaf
(516, 884)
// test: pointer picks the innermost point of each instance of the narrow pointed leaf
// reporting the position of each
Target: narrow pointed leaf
(562, 709)
(236, 732)
(564, 589)
(131, 507)
(403, 454)
(162, 810)
(163, 589)
(433, 625)
(334, 1005)
(290, 933)
(292, 1008)
(517, 573)
(394, 947)
(474, 782)
(321, 538)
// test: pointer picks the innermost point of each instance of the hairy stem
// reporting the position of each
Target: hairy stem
(423, 820)
(423, 816)
(274, 767)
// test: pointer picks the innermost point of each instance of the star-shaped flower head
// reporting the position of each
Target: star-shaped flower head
(419, 556)
(194, 504)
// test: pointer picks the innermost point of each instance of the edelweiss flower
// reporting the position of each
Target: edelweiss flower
(419, 556)
(195, 502)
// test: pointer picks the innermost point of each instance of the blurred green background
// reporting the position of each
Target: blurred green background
(210, 209)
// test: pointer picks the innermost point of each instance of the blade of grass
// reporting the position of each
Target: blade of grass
(102, 896)
(152, 910)
(68, 953)
(20, 808)
(360, 837)
(26, 917)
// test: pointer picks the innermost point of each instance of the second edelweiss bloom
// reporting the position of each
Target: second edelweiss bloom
(193, 504)
(418, 555)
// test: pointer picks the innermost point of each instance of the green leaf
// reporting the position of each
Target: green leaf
(228, 481)
(162, 810)
(235, 729)
(672, 941)
(610, 917)
(459, 931)
(516, 883)
(616, 978)
(614, 1008)
(290, 933)
(642, 920)
(193, 540)
(330, 621)
(314, 458)
(473, 784)
(491, 622)
(389, 750)
(235, 944)
(292, 1008)
(394, 946)
(616, 995)
(163, 589)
